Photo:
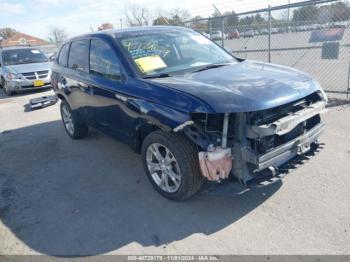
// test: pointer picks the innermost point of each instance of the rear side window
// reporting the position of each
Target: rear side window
(79, 55)
(63, 57)
(103, 60)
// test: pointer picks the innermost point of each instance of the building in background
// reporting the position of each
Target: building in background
(24, 39)
(27, 40)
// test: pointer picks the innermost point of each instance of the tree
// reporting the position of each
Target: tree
(105, 26)
(57, 36)
(247, 21)
(175, 16)
(161, 20)
(178, 16)
(340, 11)
(306, 13)
(137, 15)
(199, 25)
(231, 19)
(7, 32)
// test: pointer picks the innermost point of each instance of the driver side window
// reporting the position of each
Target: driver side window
(103, 60)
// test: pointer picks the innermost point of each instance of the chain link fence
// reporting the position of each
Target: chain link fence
(312, 36)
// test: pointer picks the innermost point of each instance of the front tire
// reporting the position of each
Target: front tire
(5, 87)
(171, 164)
(71, 122)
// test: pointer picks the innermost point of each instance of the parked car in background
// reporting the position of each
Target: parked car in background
(274, 30)
(23, 68)
(233, 35)
(264, 31)
(216, 35)
(191, 109)
(248, 33)
(206, 35)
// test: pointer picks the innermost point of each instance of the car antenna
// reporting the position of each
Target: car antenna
(92, 29)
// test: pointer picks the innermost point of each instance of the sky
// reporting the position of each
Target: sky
(37, 17)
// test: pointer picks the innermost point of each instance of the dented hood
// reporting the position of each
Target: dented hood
(245, 86)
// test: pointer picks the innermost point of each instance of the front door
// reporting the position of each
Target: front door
(107, 99)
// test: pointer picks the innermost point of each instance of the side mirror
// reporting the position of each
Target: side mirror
(52, 58)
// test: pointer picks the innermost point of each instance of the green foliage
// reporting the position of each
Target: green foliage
(306, 13)
(174, 17)
(339, 11)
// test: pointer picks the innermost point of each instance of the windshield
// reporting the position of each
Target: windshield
(171, 52)
(23, 56)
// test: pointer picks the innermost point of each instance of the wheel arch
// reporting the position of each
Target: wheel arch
(61, 97)
(141, 132)
(2, 79)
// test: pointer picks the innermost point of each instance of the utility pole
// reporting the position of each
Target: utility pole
(288, 13)
(269, 37)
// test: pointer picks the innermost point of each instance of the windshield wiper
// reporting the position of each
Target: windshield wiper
(157, 76)
(32, 62)
(206, 67)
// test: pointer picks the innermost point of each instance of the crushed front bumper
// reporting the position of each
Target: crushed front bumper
(285, 152)
(293, 134)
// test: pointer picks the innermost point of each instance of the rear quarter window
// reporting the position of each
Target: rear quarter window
(78, 58)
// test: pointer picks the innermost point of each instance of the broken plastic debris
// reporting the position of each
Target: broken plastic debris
(216, 165)
(43, 101)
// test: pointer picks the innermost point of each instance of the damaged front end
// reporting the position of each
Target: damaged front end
(250, 146)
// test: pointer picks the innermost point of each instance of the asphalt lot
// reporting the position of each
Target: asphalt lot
(90, 197)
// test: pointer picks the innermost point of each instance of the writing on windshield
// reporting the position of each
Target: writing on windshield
(170, 52)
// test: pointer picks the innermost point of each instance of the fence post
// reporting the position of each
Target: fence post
(269, 40)
(210, 29)
(348, 87)
(223, 31)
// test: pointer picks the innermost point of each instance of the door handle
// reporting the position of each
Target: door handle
(121, 97)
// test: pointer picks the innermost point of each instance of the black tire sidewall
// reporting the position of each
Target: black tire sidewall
(7, 92)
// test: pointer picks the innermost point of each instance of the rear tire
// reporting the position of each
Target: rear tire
(71, 122)
(184, 165)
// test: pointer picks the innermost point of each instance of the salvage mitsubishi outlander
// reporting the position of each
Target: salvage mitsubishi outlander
(193, 110)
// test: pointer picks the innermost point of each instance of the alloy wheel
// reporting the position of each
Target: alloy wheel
(67, 119)
(163, 167)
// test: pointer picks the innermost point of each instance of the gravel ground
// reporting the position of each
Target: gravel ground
(89, 197)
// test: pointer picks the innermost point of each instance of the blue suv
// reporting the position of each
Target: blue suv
(194, 111)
